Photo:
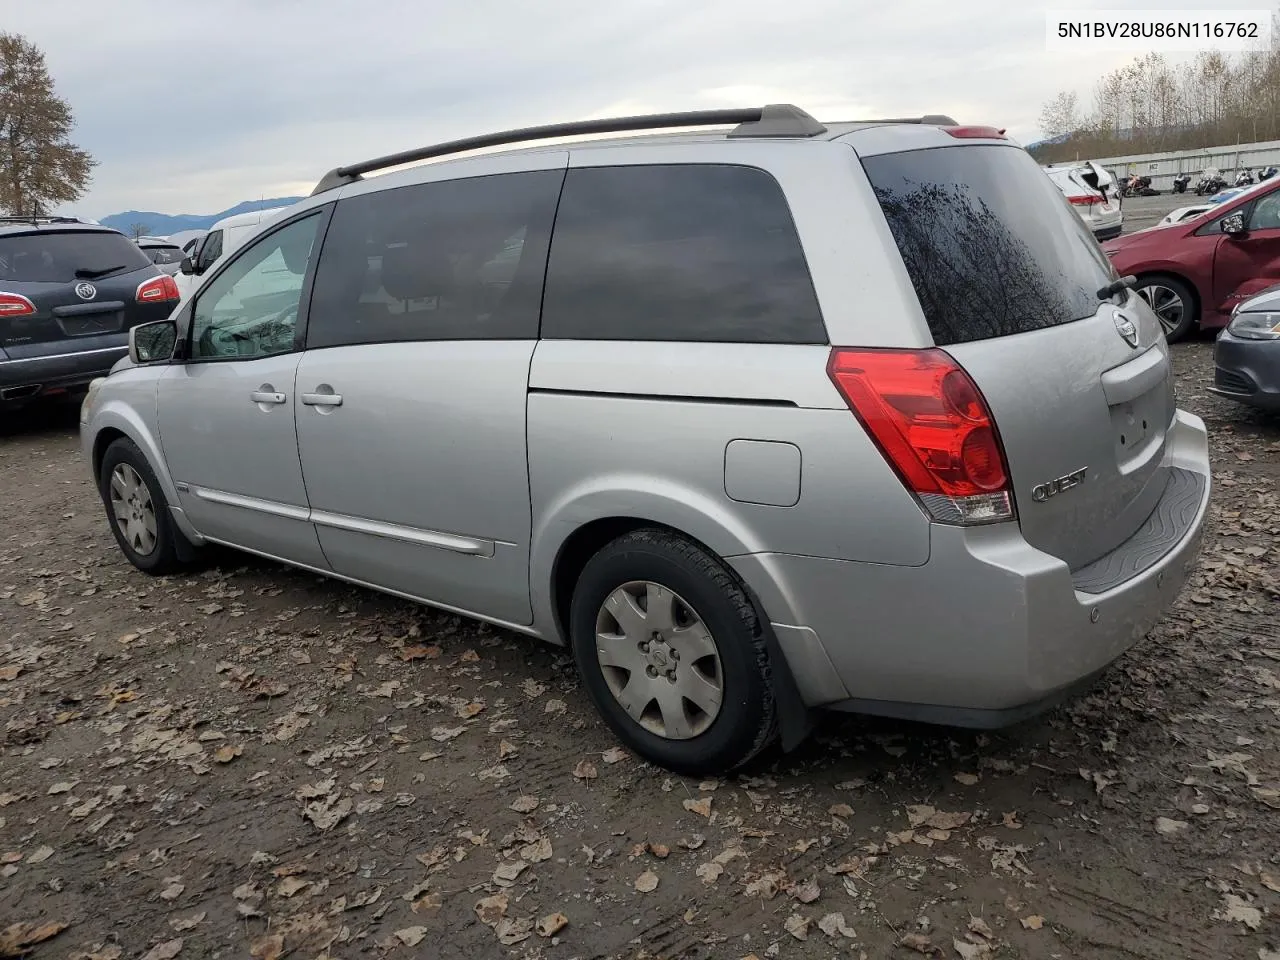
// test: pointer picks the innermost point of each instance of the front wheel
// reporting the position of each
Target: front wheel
(137, 510)
(1173, 303)
(673, 654)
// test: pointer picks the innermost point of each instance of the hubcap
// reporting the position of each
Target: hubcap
(659, 660)
(134, 511)
(1166, 304)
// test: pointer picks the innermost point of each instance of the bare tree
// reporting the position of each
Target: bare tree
(137, 230)
(39, 165)
(1061, 114)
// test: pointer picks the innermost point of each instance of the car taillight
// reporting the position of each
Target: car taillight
(15, 305)
(1084, 201)
(157, 290)
(932, 425)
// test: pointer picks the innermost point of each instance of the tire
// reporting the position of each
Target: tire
(710, 612)
(160, 553)
(1156, 289)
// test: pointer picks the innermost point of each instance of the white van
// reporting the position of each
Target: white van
(223, 237)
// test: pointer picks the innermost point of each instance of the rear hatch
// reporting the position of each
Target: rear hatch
(1095, 199)
(1007, 277)
(82, 283)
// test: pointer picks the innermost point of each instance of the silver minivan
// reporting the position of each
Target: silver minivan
(758, 417)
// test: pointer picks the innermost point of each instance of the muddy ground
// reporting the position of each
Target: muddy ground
(251, 761)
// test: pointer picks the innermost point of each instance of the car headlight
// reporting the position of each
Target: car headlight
(1255, 326)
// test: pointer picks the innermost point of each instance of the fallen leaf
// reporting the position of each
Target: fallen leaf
(1266, 796)
(797, 926)
(920, 944)
(701, 806)
(981, 928)
(507, 872)
(1239, 910)
(524, 804)
(967, 779)
(10, 673)
(442, 734)
(227, 754)
(536, 852)
(808, 891)
(182, 924)
(419, 652)
(554, 706)
(532, 688)
(469, 656)
(709, 872)
(1033, 922)
(840, 810)
(834, 923)
(492, 909)
(1168, 828)
(172, 892)
(506, 749)
(513, 930)
(551, 924)
(412, 936)
(467, 711)
(63, 787)
(16, 940)
(267, 948)
(1269, 881)
(164, 951)
(614, 755)
(291, 885)
(971, 951)
(585, 770)
(647, 882)
(659, 850)
(40, 855)
(942, 820)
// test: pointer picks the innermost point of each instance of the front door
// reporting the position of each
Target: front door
(413, 387)
(227, 414)
(1246, 263)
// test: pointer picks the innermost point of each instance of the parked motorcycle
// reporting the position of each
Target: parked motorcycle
(1137, 186)
(1211, 181)
(1244, 178)
(1266, 173)
(1180, 183)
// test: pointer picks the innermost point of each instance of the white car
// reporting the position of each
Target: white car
(1184, 213)
(223, 237)
(1094, 194)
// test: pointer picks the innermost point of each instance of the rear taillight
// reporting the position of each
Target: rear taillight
(932, 425)
(15, 305)
(157, 290)
(1084, 200)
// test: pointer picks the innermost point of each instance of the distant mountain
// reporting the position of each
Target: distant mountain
(164, 224)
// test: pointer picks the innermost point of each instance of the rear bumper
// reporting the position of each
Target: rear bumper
(1109, 232)
(1247, 371)
(990, 630)
(28, 377)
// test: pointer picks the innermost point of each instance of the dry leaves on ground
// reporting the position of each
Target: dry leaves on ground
(552, 924)
(18, 939)
(647, 882)
(267, 948)
(585, 770)
(702, 807)
(164, 951)
(797, 926)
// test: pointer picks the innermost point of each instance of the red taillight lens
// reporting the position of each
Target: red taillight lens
(157, 290)
(15, 305)
(1084, 201)
(976, 133)
(932, 425)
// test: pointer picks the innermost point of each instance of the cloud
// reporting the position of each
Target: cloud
(192, 108)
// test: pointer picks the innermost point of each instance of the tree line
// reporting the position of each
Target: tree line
(1149, 106)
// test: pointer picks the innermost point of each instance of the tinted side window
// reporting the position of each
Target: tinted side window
(990, 244)
(210, 249)
(694, 252)
(453, 260)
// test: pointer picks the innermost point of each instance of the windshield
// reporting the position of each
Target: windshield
(49, 257)
(163, 255)
(991, 245)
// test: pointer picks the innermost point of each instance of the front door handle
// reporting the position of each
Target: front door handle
(322, 399)
(267, 396)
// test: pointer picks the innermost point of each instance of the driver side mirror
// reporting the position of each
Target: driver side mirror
(150, 342)
(1233, 224)
(187, 267)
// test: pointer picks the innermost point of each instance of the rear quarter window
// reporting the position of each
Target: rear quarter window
(52, 257)
(687, 252)
(991, 245)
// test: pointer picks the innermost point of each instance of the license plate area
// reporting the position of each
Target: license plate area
(89, 324)
(1138, 428)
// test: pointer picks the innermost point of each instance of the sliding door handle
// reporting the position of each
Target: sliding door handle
(267, 396)
(322, 399)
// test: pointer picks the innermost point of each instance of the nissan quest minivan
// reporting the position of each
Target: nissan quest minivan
(757, 415)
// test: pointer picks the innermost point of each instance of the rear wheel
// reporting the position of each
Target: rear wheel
(673, 654)
(137, 510)
(1173, 303)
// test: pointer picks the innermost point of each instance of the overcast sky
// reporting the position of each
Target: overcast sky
(192, 107)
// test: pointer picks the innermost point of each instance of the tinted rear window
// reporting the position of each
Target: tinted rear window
(164, 254)
(992, 246)
(56, 257)
(678, 252)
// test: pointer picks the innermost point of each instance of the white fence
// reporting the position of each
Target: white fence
(1163, 167)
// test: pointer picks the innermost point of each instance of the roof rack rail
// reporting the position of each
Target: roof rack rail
(773, 120)
(36, 221)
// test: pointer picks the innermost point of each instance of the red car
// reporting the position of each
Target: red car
(1194, 273)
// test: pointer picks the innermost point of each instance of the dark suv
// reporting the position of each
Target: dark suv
(69, 293)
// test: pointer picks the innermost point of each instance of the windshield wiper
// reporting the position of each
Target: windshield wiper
(1111, 289)
(96, 274)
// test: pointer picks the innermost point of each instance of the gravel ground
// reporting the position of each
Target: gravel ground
(251, 761)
